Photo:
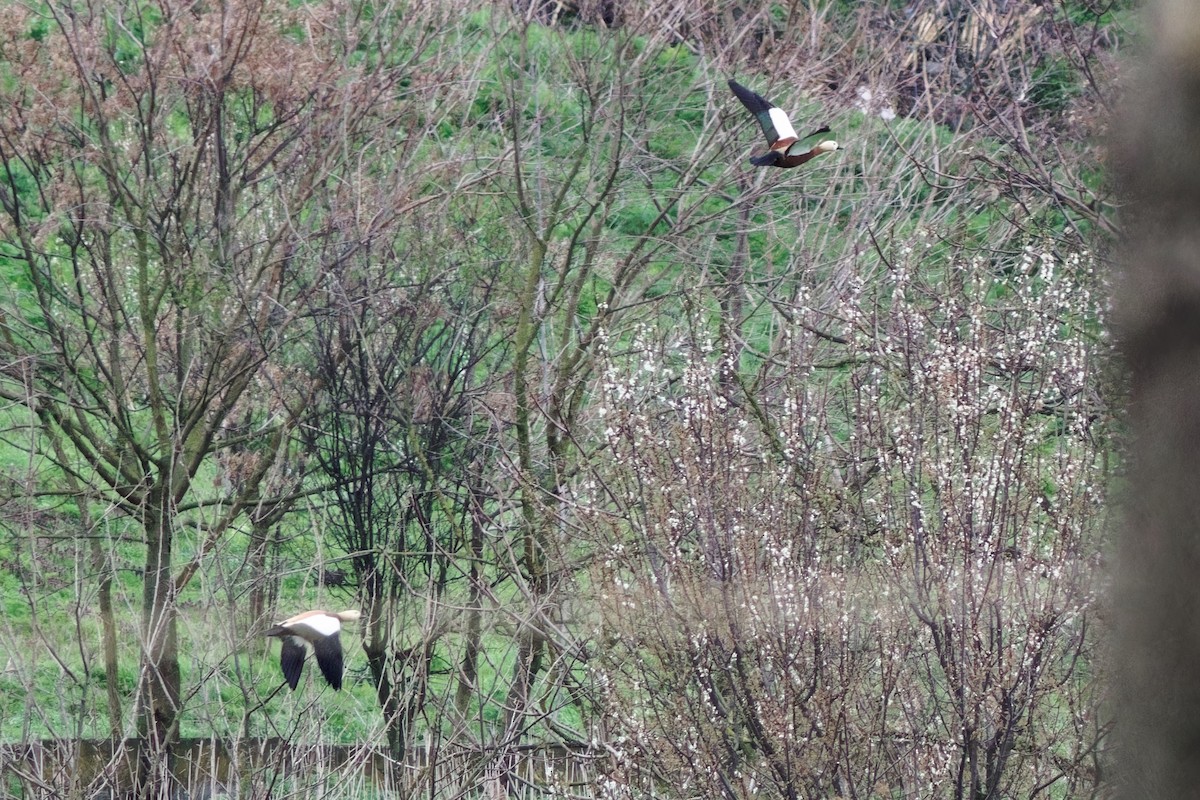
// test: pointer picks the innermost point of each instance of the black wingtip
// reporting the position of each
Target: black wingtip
(755, 103)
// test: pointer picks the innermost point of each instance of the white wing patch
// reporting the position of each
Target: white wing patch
(319, 624)
(783, 125)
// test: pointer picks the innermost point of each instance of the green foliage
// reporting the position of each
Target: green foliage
(1118, 14)
(1053, 85)
(131, 35)
(14, 607)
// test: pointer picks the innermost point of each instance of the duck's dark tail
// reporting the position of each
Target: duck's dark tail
(767, 159)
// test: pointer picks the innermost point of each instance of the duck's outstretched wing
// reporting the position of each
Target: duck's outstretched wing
(822, 129)
(329, 658)
(291, 660)
(775, 123)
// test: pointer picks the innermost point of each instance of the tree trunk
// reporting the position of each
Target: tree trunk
(260, 580)
(732, 299)
(469, 666)
(375, 645)
(109, 637)
(161, 683)
(1158, 594)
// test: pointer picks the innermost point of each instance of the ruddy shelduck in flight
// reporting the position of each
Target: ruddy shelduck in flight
(321, 630)
(786, 148)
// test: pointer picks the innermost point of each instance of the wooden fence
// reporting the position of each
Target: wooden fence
(205, 769)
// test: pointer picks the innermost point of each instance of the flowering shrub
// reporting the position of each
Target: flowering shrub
(866, 565)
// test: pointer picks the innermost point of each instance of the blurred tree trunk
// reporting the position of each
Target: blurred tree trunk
(1158, 564)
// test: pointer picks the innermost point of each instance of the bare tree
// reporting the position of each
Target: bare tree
(164, 264)
(599, 238)
(393, 436)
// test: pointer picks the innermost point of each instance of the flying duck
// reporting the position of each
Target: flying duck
(786, 150)
(319, 629)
